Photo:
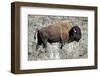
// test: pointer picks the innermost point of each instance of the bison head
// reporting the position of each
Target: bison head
(75, 34)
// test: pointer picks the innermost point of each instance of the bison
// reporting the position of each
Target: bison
(58, 32)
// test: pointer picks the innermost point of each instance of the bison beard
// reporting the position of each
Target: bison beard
(57, 33)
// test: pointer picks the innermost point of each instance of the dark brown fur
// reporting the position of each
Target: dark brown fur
(58, 32)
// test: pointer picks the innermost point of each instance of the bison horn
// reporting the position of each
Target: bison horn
(74, 30)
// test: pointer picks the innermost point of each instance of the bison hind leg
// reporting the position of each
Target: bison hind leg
(38, 44)
(45, 45)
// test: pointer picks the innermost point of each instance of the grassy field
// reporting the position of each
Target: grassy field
(74, 50)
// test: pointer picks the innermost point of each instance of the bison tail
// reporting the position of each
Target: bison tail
(35, 34)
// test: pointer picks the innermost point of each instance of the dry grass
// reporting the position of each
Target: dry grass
(74, 50)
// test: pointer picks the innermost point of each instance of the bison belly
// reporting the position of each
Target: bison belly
(53, 37)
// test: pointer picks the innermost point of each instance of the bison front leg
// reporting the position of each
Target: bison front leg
(62, 44)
